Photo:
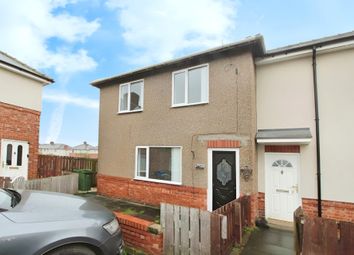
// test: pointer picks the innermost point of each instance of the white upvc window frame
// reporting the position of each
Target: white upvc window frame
(120, 93)
(148, 165)
(186, 86)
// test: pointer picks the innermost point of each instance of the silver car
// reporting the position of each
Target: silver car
(37, 222)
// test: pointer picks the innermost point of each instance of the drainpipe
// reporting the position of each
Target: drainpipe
(317, 120)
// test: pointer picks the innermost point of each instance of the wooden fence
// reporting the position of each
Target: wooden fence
(5, 182)
(49, 165)
(64, 184)
(238, 215)
(186, 230)
(319, 236)
(194, 231)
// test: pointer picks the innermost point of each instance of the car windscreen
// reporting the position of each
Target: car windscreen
(5, 200)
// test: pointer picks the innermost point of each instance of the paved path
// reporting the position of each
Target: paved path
(270, 242)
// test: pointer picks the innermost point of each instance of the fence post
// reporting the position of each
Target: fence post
(168, 237)
(215, 234)
(298, 228)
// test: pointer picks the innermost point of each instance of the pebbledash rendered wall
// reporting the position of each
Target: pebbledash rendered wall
(229, 115)
(22, 124)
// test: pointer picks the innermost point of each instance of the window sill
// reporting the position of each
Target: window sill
(157, 181)
(136, 111)
(186, 105)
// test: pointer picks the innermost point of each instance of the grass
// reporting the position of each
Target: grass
(157, 219)
(247, 231)
(132, 251)
(131, 211)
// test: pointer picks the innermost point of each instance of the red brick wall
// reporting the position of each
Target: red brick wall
(19, 123)
(136, 234)
(151, 192)
(261, 204)
(330, 209)
(254, 207)
(282, 148)
(224, 144)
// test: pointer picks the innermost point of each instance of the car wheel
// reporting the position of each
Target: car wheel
(72, 250)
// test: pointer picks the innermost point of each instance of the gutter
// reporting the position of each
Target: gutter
(317, 121)
(338, 39)
(27, 73)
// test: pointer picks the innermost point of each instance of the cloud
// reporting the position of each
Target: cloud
(161, 29)
(64, 98)
(27, 28)
(56, 123)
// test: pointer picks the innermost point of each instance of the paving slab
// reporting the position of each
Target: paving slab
(270, 241)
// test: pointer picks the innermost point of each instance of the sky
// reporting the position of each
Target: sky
(78, 41)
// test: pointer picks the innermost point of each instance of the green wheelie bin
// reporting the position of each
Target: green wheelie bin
(85, 176)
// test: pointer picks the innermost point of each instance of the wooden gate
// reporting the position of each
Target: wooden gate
(193, 231)
(186, 230)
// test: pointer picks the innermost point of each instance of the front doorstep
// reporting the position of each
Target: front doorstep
(280, 224)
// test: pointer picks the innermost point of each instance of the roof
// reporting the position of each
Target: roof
(15, 63)
(252, 43)
(54, 146)
(311, 44)
(286, 133)
(85, 146)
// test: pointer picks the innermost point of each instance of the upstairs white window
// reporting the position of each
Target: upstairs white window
(131, 97)
(159, 164)
(190, 86)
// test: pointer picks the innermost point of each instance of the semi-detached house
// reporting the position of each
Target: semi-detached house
(205, 129)
(20, 108)
(181, 131)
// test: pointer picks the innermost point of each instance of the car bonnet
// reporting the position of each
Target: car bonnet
(39, 206)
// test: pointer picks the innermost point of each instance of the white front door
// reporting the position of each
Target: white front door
(14, 158)
(282, 193)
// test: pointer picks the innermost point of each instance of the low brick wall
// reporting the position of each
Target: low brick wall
(261, 204)
(341, 211)
(137, 233)
(150, 192)
(254, 208)
(335, 210)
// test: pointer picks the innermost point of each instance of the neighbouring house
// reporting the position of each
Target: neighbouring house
(289, 165)
(55, 149)
(182, 131)
(84, 150)
(202, 130)
(20, 107)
